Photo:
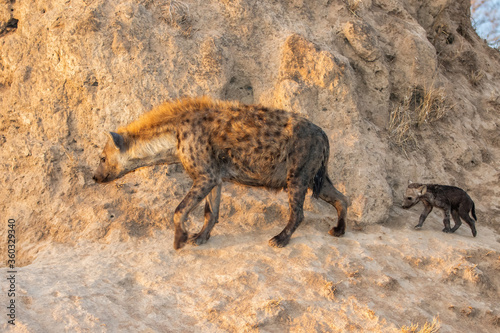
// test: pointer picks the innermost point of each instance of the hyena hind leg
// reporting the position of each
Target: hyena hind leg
(464, 214)
(303, 162)
(456, 218)
(296, 195)
(331, 195)
(211, 217)
(446, 220)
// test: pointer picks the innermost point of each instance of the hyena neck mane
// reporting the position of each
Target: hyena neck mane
(151, 139)
(164, 118)
(157, 150)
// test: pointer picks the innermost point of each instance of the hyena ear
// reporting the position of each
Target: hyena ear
(422, 190)
(118, 140)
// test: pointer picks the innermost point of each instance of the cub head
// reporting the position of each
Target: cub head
(413, 194)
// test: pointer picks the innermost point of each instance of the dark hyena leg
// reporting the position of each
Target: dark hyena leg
(297, 190)
(423, 216)
(303, 162)
(198, 191)
(464, 214)
(211, 217)
(331, 195)
(446, 220)
(456, 218)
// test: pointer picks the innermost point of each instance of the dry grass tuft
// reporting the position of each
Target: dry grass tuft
(427, 328)
(176, 14)
(331, 290)
(400, 125)
(476, 77)
(273, 307)
(353, 6)
(419, 106)
(430, 104)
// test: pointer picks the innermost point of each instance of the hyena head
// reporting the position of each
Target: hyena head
(114, 159)
(413, 194)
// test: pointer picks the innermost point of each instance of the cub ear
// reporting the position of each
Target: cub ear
(409, 182)
(422, 190)
(118, 140)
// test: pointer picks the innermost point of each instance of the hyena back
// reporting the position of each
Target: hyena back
(220, 141)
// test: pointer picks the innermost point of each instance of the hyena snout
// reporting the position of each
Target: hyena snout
(101, 175)
(98, 179)
(103, 178)
(408, 203)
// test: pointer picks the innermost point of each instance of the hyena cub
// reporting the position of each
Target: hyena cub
(452, 200)
(220, 141)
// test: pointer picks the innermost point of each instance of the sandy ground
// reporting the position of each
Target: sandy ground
(99, 258)
(375, 279)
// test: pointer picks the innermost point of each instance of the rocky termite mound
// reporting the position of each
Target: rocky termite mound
(405, 90)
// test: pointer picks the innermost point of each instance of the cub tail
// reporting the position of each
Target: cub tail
(473, 210)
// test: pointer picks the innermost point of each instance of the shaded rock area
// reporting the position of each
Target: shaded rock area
(405, 90)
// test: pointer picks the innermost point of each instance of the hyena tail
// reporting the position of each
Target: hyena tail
(319, 179)
(474, 211)
(322, 173)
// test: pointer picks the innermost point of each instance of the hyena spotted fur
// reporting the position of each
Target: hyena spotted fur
(220, 141)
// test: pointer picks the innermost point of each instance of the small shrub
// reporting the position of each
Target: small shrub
(429, 104)
(419, 106)
(427, 328)
(400, 125)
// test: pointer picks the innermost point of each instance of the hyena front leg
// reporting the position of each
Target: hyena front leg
(211, 217)
(331, 195)
(423, 216)
(198, 191)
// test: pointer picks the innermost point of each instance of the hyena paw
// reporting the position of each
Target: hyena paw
(418, 227)
(337, 232)
(180, 239)
(447, 230)
(279, 241)
(198, 239)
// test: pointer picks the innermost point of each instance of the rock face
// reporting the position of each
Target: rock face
(404, 90)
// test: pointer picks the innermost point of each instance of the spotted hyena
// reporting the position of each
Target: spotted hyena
(452, 200)
(220, 141)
